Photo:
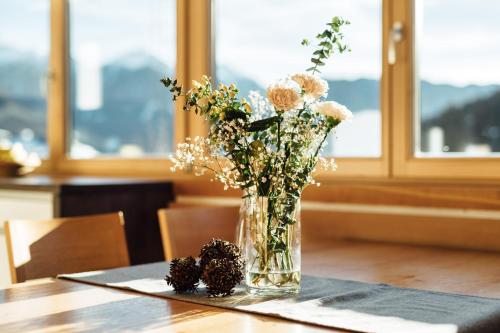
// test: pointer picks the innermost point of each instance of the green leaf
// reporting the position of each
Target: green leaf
(256, 146)
(231, 114)
(326, 44)
(263, 124)
(317, 62)
(166, 82)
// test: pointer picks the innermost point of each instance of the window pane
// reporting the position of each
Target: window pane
(263, 44)
(24, 54)
(458, 75)
(119, 52)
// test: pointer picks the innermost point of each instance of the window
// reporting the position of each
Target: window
(24, 54)
(432, 111)
(254, 49)
(119, 50)
(458, 78)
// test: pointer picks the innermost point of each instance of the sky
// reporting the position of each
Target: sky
(116, 29)
(265, 41)
(459, 40)
(24, 25)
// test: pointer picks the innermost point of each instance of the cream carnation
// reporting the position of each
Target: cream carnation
(332, 109)
(283, 97)
(312, 86)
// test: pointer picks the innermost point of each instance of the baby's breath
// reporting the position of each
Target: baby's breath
(268, 147)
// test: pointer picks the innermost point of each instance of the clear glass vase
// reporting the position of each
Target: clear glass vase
(269, 237)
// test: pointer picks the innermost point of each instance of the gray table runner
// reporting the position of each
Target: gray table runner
(334, 303)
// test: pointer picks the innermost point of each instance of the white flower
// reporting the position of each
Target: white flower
(283, 97)
(332, 109)
(312, 86)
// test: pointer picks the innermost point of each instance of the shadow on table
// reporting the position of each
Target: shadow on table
(136, 314)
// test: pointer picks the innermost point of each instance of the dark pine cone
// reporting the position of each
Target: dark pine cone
(184, 275)
(221, 276)
(219, 249)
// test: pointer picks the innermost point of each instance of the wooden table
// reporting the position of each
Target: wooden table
(51, 305)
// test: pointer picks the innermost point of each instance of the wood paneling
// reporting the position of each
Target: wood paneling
(439, 231)
(463, 196)
(465, 215)
(438, 193)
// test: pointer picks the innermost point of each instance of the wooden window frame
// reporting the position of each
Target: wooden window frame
(188, 26)
(195, 56)
(365, 167)
(405, 163)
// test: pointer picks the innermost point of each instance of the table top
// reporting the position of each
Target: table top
(56, 183)
(58, 305)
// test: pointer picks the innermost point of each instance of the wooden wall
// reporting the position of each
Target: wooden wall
(465, 215)
(428, 193)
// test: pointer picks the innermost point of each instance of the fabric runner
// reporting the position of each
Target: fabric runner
(343, 304)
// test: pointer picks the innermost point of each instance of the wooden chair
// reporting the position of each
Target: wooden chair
(39, 249)
(185, 230)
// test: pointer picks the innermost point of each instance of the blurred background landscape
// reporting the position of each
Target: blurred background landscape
(118, 107)
(465, 113)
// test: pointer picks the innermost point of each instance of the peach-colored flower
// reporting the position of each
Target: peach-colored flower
(332, 109)
(283, 97)
(312, 86)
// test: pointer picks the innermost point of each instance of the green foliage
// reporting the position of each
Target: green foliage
(329, 42)
(263, 124)
(270, 154)
(172, 86)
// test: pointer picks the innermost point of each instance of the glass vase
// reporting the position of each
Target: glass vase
(269, 237)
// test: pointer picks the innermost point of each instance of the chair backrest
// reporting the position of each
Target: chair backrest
(185, 230)
(39, 249)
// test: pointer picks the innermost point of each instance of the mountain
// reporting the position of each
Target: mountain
(364, 94)
(473, 123)
(436, 98)
(21, 73)
(227, 76)
(136, 109)
(140, 59)
(22, 97)
(357, 95)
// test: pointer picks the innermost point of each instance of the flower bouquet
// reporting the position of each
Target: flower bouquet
(270, 149)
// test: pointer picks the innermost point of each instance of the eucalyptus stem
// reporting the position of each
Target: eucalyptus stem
(328, 129)
(287, 146)
(279, 133)
(328, 41)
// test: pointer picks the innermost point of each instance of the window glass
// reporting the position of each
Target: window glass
(458, 77)
(119, 51)
(257, 42)
(24, 54)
